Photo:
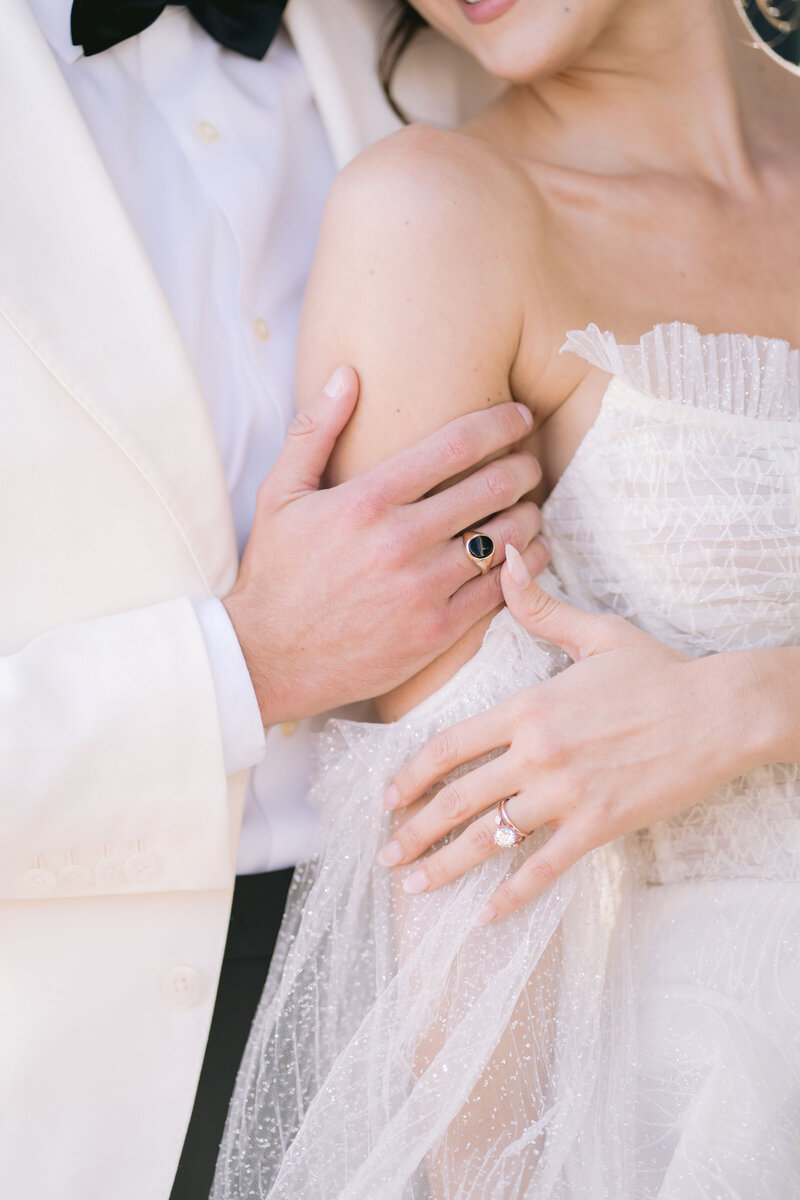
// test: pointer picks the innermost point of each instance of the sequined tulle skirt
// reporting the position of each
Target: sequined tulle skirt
(617, 1038)
(718, 1041)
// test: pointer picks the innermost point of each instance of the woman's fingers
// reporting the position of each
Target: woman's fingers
(561, 850)
(471, 847)
(581, 633)
(451, 806)
(469, 604)
(447, 750)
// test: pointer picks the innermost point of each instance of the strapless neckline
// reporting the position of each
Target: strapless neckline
(731, 373)
(736, 376)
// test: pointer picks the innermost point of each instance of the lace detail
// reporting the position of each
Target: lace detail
(748, 829)
(687, 523)
(729, 372)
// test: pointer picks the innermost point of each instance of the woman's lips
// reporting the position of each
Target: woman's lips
(481, 11)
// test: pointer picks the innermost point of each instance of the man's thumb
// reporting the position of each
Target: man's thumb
(313, 433)
(571, 628)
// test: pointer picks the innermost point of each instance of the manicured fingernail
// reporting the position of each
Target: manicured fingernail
(543, 541)
(516, 567)
(486, 915)
(390, 855)
(335, 385)
(418, 881)
(391, 797)
(527, 415)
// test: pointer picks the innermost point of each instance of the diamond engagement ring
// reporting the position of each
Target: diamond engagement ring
(506, 832)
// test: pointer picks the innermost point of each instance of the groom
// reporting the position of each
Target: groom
(160, 202)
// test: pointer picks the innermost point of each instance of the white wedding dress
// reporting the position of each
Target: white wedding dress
(635, 1032)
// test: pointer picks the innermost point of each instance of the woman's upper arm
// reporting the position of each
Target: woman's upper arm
(415, 285)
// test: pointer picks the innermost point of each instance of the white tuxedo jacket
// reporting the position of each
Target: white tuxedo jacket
(117, 824)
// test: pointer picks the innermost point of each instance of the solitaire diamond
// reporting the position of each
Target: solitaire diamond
(504, 836)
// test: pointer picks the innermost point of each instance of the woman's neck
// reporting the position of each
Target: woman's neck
(674, 86)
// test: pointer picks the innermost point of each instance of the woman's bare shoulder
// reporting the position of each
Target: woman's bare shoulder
(446, 153)
(437, 179)
(421, 279)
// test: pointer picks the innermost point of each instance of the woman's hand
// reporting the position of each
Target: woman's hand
(630, 733)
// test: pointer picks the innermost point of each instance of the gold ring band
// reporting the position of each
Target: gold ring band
(479, 548)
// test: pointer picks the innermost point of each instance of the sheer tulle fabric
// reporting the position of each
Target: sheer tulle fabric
(635, 1032)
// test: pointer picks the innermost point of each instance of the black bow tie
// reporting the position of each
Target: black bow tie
(247, 26)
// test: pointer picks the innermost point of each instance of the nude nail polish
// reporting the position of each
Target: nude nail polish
(391, 797)
(418, 881)
(516, 567)
(486, 915)
(390, 855)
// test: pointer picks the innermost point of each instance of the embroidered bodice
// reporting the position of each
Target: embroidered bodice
(681, 512)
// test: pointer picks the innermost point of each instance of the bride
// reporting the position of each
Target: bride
(611, 1006)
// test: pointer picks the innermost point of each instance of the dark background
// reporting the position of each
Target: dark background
(787, 45)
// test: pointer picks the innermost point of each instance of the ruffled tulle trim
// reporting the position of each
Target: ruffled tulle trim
(729, 372)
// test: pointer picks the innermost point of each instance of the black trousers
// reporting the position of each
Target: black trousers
(258, 904)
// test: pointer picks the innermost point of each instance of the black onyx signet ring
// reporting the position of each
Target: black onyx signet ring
(479, 548)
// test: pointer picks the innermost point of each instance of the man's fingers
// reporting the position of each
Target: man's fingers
(496, 486)
(446, 750)
(312, 436)
(543, 867)
(455, 803)
(457, 447)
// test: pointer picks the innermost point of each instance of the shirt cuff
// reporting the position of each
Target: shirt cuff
(241, 729)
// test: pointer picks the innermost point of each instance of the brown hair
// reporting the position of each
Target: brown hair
(400, 33)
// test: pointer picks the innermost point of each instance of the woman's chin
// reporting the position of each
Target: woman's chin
(512, 39)
(505, 58)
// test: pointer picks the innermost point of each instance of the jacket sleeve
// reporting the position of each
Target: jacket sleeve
(112, 776)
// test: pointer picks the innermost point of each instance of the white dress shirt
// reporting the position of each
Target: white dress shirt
(223, 166)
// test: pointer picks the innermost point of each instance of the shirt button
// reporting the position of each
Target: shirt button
(108, 872)
(181, 987)
(39, 881)
(74, 877)
(290, 728)
(141, 867)
(261, 329)
(207, 132)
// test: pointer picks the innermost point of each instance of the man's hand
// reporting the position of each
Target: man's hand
(346, 592)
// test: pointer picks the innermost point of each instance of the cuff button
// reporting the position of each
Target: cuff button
(141, 867)
(39, 881)
(74, 877)
(108, 872)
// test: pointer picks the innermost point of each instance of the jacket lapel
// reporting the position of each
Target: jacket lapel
(76, 285)
(337, 40)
